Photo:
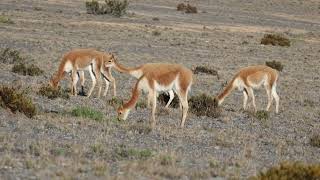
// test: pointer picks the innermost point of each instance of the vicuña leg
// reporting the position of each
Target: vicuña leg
(171, 94)
(251, 94)
(153, 94)
(245, 99)
(98, 77)
(93, 78)
(268, 89)
(75, 78)
(107, 86)
(184, 101)
(276, 97)
(82, 81)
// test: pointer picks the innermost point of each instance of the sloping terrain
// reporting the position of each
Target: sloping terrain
(223, 34)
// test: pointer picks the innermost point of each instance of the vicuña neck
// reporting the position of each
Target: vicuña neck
(227, 90)
(134, 98)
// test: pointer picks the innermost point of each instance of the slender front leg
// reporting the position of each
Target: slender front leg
(268, 89)
(250, 91)
(171, 94)
(245, 99)
(75, 78)
(93, 78)
(82, 80)
(154, 105)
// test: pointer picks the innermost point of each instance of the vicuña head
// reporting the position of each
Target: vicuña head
(109, 60)
(123, 113)
(250, 78)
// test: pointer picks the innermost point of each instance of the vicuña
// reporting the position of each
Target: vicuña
(137, 72)
(250, 78)
(77, 61)
(158, 77)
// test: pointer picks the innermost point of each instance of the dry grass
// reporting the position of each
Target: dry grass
(275, 65)
(23, 69)
(11, 56)
(315, 140)
(205, 69)
(204, 105)
(186, 8)
(51, 93)
(164, 98)
(16, 101)
(275, 40)
(290, 171)
(114, 7)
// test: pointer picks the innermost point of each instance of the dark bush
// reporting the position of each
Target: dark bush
(275, 40)
(114, 7)
(315, 141)
(52, 93)
(16, 101)
(275, 65)
(164, 98)
(290, 171)
(204, 105)
(9, 56)
(205, 69)
(262, 115)
(186, 8)
(31, 70)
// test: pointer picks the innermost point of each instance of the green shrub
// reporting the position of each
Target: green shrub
(16, 101)
(275, 65)
(315, 141)
(52, 93)
(5, 20)
(290, 171)
(87, 112)
(114, 7)
(275, 40)
(262, 115)
(204, 105)
(205, 69)
(31, 70)
(9, 56)
(166, 160)
(122, 152)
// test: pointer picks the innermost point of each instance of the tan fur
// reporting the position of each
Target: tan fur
(161, 77)
(250, 78)
(83, 59)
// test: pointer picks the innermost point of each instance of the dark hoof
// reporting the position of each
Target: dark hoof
(82, 94)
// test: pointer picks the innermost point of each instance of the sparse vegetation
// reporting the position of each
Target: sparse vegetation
(204, 105)
(52, 93)
(205, 69)
(262, 115)
(6, 20)
(290, 171)
(86, 112)
(115, 102)
(10, 56)
(275, 65)
(141, 104)
(315, 140)
(164, 98)
(114, 7)
(16, 101)
(186, 8)
(156, 33)
(275, 40)
(166, 160)
(140, 128)
(122, 152)
(31, 70)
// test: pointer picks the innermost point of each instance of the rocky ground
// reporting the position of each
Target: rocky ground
(224, 35)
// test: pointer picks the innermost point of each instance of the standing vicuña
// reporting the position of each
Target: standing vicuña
(253, 77)
(159, 77)
(137, 72)
(79, 60)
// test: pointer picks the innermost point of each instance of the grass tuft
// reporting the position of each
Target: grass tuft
(10, 56)
(205, 69)
(114, 7)
(31, 70)
(315, 141)
(5, 20)
(275, 65)
(86, 112)
(290, 171)
(204, 105)
(122, 152)
(16, 101)
(275, 40)
(52, 93)
(262, 115)
(186, 8)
